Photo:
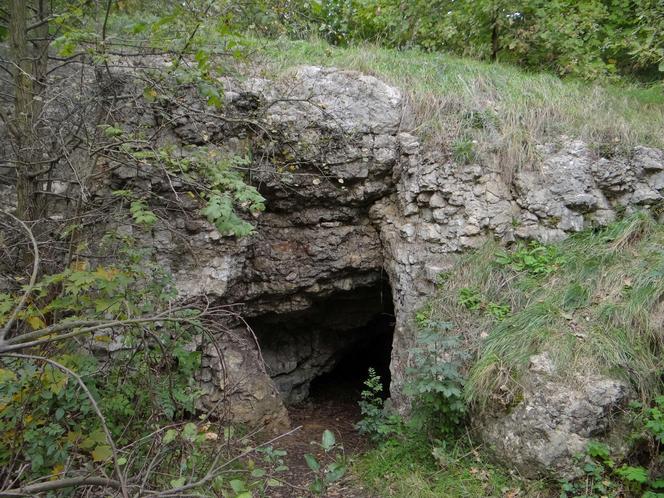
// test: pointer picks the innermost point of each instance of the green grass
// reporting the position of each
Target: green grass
(407, 469)
(594, 302)
(506, 110)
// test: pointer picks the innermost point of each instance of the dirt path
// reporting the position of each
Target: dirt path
(333, 407)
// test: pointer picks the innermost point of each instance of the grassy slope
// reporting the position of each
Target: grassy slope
(593, 301)
(504, 109)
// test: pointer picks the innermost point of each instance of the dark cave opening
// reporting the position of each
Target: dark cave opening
(323, 354)
(345, 381)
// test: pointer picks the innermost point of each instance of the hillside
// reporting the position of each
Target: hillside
(495, 111)
(240, 261)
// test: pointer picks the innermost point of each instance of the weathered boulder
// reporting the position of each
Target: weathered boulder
(555, 420)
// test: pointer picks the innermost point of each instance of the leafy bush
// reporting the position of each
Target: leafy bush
(436, 382)
(46, 417)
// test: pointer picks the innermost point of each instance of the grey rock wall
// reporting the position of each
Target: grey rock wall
(350, 193)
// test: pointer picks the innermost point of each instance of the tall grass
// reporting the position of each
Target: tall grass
(598, 307)
(505, 110)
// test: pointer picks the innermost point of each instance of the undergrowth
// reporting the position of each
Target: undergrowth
(410, 467)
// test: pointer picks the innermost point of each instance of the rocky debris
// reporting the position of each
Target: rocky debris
(555, 420)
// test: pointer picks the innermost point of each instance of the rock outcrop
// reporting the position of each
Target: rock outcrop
(555, 421)
(354, 199)
(352, 196)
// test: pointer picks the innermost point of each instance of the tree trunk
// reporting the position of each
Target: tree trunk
(29, 67)
(495, 39)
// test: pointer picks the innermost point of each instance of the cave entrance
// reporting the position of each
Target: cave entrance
(345, 382)
(323, 354)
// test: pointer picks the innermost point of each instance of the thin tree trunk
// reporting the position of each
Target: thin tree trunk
(495, 40)
(29, 67)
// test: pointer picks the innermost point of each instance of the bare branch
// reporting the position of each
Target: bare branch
(33, 278)
(72, 482)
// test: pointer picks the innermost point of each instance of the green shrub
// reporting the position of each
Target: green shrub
(436, 382)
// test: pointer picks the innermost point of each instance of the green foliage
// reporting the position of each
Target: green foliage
(141, 213)
(219, 180)
(588, 300)
(655, 420)
(534, 258)
(47, 420)
(498, 311)
(336, 19)
(330, 472)
(436, 382)
(409, 466)
(470, 298)
(603, 477)
(378, 421)
(588, 39)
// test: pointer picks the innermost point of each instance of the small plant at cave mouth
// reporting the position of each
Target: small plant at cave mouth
(335, 469)
(378, 422)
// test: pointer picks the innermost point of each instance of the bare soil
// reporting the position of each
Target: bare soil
(332, 405)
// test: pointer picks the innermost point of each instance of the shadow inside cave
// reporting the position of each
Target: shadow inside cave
(325, 351)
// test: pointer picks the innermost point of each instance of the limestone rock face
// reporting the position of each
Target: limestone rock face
(354, 198)
(324, 144)
(440, 208)
(555, 420)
